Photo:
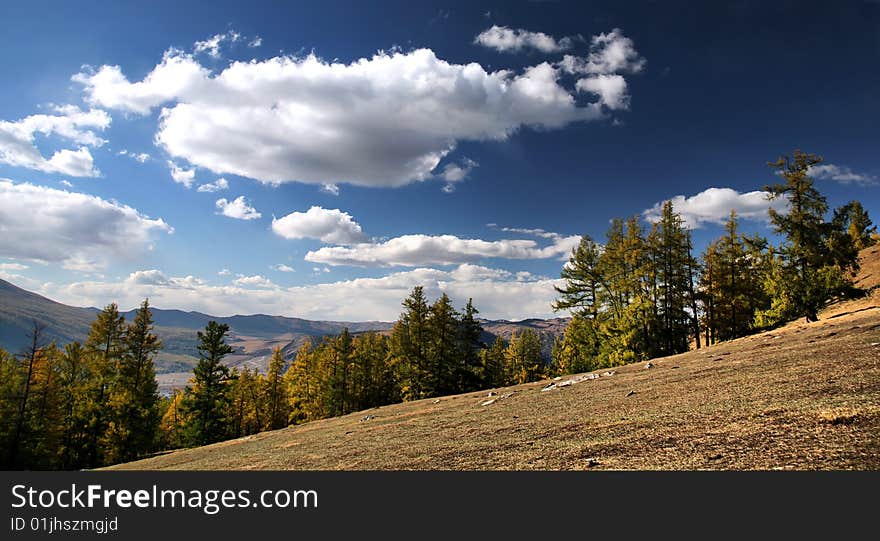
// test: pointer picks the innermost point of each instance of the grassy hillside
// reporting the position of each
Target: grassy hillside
(805, 396)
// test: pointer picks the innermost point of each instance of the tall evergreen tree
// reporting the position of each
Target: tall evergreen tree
(808, 274)
(470, 344)
(134, 395)
(276, 392)
(207, 398)
(104, 348)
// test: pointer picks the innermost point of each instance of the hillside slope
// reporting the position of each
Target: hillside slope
(806, 396)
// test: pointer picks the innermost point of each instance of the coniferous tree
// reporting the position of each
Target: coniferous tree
(207, 398)
(807, 273)
(470, 345)
(409, 345)
(523, 359)
(276, 392)
(442, 348)
(134, 395)
(492, 361)
(104, 349)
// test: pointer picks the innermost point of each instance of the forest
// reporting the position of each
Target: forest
(640, 293)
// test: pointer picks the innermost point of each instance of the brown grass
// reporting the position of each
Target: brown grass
(804, 397)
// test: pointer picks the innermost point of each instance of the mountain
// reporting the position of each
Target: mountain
(800, 397)
(252, 336)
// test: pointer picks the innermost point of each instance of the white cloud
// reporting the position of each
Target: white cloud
(332, 189)
(496, 294)
(384, 121)
(327, 225)
(421, 250)
(457, 172)
(611, 90)
(79, 231)
(217, 186)
(534, 232)
(224, 272)
(175, 74)
(182, 176)
(66, 183)
(12, 267)
(841, 174)
(141, 157)
(282, 268)
(504, 39)
(213, 44)
(256, 42)
(254, 281)
(238, 208)
(713, 205)
(609, 53)
(18, 140)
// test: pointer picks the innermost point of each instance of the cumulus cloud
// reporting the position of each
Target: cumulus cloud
(182, 176)
(383, 121)
(495, 292)
(175, 74)
(254, 281)
(332, 189)
(238, 208)
(420, 250)
(611, 90)
(217, 186)
(212, 45)
(610, 55)
(281, 267)
(79, 231)
(713, 205)
(256, 42)
(327, 225)
(18, 140)
(504, 39)
(457, 172)
(841, 174)
(611, 52)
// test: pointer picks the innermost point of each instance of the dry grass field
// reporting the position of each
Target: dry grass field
(802, 397)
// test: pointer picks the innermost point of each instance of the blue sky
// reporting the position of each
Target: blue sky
(370, 147)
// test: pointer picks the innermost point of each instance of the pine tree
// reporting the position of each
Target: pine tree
(442, 348)
(808, 273)
(104, 350)
(578, 350)
(409, 341)
(134, 395)
(492, 360)
(276, 392)
(75, 377)
(469, 347)
(207, 398)
(523, 359)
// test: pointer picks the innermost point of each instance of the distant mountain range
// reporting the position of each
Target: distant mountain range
(253, 336)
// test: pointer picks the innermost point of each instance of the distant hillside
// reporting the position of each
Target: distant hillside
(253, 336)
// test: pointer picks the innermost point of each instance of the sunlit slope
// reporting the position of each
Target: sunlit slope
(806, 396)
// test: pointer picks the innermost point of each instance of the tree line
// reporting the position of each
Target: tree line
(643, 294)
(97, 403)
